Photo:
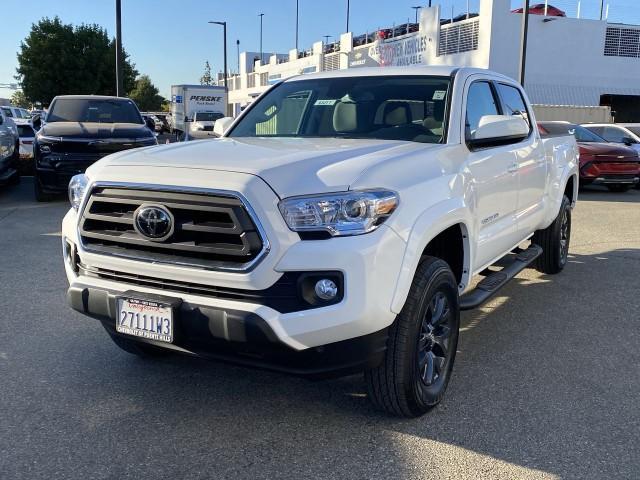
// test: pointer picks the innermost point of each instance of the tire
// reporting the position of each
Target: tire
(137, 348)
(618, 188)
(554, 241)
(422, 344)
(40, 195)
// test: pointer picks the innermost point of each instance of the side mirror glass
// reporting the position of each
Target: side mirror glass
(496, 130)
(222, 125)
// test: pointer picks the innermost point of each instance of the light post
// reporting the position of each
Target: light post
(119, 59)
(297, 12)
(226, 71)
(523, 40)
(416, 9)
(347, 16)
(261, 56)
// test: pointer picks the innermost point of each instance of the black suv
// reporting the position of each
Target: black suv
(78, 131)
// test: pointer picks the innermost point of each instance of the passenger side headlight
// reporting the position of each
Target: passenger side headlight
(77, 189)
(339, 214)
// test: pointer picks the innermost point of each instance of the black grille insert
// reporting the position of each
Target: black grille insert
(211, 231)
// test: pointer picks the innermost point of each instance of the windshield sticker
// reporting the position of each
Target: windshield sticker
(327, 102)
(439, 94)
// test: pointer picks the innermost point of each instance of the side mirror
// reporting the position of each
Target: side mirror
(1, 119)
(629, 141)
(150, 124)
(222, 125)
(494, 130)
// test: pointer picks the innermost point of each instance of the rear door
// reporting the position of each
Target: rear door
(493, 178)
(531, 163)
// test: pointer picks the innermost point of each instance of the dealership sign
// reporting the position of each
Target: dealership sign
(400, 52)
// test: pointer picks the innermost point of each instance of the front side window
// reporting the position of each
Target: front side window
(480, 102)
(410, 108)
(93, 110)
(512, 102)
(613, 134)
(7, 112)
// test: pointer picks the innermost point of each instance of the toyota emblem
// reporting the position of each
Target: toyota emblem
(154, 222)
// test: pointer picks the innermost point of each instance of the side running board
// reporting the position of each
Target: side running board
(512, 264)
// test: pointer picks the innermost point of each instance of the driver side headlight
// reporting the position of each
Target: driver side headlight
(339, 214)
(77, 189)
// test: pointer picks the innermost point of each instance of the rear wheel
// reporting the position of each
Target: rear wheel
(618, 188)
(554, 241)
(422, 344)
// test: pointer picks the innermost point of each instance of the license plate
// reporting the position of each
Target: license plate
(145, 318)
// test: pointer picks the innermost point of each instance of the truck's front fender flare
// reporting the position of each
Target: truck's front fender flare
(430, 224)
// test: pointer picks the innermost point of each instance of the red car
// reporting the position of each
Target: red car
(601, 163)
(538, 9)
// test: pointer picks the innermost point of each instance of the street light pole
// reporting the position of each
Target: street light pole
(347, 15)
(523, 40)
(261, 55)
(226, 71)
(416, 9)
(297, 12)
(119, 59)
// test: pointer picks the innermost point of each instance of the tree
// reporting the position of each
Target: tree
(206, 79)
(146, 96)
(19, 100)
(58, 59)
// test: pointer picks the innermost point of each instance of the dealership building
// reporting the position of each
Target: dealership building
(570, 61)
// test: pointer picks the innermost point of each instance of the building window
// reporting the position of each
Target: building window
(622, 42)
(264, 79)
(458, 37)
(251, 80)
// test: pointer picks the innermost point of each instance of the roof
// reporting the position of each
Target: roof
(438, 71)
(92, 97)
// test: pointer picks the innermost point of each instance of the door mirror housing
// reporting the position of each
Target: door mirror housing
(150, 124)
(494, 130)
(629, 141)
(222, 125)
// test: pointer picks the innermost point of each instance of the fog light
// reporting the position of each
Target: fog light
(326, 289)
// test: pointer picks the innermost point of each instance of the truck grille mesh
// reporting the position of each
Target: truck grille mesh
(210, 231)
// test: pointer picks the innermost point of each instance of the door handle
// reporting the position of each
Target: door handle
(512, 168)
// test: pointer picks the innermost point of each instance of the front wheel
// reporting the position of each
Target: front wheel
(554, 241)
(422, 344)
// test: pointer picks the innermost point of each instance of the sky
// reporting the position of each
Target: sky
(170, 40)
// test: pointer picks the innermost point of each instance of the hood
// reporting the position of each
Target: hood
(607, 149)
(291, 166)
(90, 130)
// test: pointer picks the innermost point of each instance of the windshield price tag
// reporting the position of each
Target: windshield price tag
(439, 94)
(327, 102)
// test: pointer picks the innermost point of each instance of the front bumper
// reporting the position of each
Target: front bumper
(238, 336)
(370, 265)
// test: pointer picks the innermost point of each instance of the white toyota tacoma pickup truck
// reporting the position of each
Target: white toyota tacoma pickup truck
(337, 226)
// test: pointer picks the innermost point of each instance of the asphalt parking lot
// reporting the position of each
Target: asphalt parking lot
(546, 382)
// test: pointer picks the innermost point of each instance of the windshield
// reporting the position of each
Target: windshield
(634, 129)
(381, 107)
(208, 116)
(581, 133)
(93, 110)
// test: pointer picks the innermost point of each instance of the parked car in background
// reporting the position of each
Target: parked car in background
(165, 122)
(202, 124)
(615, 133)
(18, 115)
(9, 149)
(601, 163)
(27, 137)
(79, 130)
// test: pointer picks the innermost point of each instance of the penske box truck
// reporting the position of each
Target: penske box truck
(186, 100)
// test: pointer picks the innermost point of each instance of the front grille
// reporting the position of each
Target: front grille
(285, 295)
(211, 230)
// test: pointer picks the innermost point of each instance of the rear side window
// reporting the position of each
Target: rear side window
(7, 112)
(512, 102)
(480, 102)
